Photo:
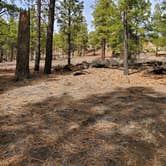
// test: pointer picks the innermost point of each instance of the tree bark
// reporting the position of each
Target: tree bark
(49, 42)
(22, 60)
(156, 50)
(38, 50)
(69, 49)
(1, 56)
(125, 24)
(103, 49)
(11, 52)
(69, 38)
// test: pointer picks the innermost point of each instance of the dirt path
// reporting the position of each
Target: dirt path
(100, 118)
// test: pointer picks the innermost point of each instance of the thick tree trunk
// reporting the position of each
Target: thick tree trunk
(22, 60)
(103, 49)
(38, 50)
(126, 70)
(49, 43)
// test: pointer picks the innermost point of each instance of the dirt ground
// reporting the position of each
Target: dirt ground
(101, 118)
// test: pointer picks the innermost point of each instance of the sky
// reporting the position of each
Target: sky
(88, 11)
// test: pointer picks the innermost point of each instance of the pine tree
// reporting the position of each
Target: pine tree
(38, 49)
(5, 7)
(136, 15)
(49, 43)
(102, 21)
(70, 16)
(33, 32)
(157, 26)
(81, 39)
(93, 41)
(158, 36)
(12, 36)
(22, 61)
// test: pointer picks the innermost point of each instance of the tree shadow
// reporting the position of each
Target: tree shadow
(8, 81)
(123, 127)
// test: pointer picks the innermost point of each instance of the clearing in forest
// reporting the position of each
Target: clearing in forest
(100, 117)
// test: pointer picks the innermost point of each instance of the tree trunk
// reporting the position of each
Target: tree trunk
(103, 49)
(6, 55)
(38, 50)
(126, 70)
(11, 52)
(94, 51)
(1, 56)
(22, 60)
(156, 50)
(69, 38)
(69, 48)
(49, 42)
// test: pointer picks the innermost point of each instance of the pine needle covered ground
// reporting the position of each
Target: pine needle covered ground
(97, 118)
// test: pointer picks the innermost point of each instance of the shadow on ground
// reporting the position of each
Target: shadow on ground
(123, 127)
(8, 82)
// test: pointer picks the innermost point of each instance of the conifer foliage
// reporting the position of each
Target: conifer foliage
(70, 18)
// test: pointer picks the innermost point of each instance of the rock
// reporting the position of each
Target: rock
(99, 63)
(114, 62)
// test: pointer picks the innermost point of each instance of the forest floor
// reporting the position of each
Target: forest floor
(100, 118)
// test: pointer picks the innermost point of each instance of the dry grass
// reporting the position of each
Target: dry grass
(101, 118)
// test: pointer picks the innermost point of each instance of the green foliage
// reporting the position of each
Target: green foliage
(73, 30)
(103, 11)
(8, 33)
(33, 32)
(138, 13)
(81, 39)
(70, 15)
(93, 40)
(7, 8)
(158, 36)
(58, 41)
(108, 22)
(8, 26)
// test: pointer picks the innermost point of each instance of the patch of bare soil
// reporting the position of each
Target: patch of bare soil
(99, 118)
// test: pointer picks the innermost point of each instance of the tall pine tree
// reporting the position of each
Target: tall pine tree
(49, 42)
(102, 22)
(70, 16)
